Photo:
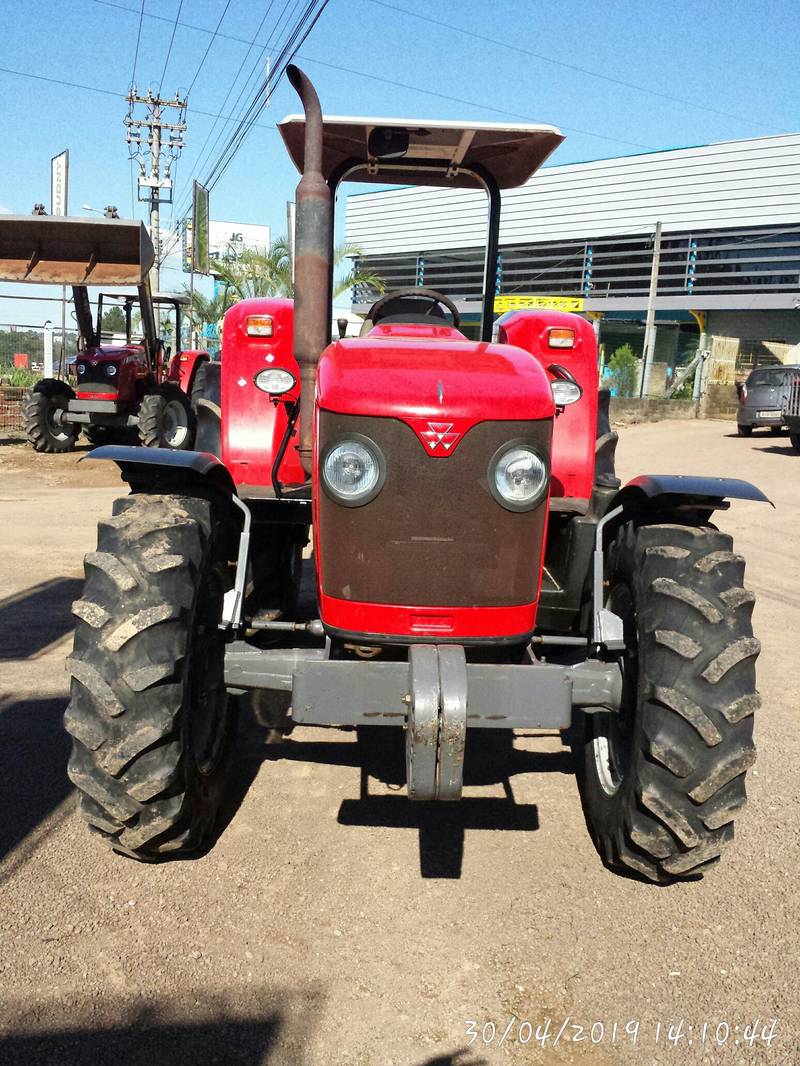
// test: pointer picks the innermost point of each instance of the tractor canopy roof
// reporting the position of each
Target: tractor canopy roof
(179, 298)
(74, 251)
(408, 151)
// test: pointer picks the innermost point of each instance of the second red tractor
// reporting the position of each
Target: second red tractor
(126, 385)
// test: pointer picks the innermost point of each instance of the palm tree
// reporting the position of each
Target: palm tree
(207, 311)
(269, 272)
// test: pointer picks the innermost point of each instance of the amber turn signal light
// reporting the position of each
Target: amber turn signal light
(561, 338)
(259, 326)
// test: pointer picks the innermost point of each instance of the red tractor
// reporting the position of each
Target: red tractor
(478, 565)
(125, 385)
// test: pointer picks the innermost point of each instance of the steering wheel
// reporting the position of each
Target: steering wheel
(391, 304)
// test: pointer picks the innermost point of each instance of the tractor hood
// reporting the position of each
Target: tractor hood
(110, 351)
(412, 372)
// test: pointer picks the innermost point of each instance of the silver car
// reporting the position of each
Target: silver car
(763, 397)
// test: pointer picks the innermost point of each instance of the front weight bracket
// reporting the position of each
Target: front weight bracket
(452, 721)
(422, 730)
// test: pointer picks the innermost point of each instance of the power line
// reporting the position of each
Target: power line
(201, 153)
(119, 95)
(572, 66)
(210, 43)
(171, 42)
(469, 103)
(138, 39)
(61, 81)
(164, 18)
(299, 34)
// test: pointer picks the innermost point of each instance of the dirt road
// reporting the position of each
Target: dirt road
(329, 927)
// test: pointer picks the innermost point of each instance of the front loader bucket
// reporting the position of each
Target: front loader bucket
(74, 251)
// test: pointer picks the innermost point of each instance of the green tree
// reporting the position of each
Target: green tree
(208, 311)
(113, 321)
(623, 367)
(269, 272)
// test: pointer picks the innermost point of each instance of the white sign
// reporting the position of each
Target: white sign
(232, 238)
(59, 176)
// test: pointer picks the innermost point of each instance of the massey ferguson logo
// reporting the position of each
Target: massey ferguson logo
(439, 436)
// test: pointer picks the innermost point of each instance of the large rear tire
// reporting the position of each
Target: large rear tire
(149, 714)
(663, 779)
(166, 419)
(40, 409)
(744, 431)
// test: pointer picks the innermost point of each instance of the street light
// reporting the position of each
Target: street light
(109, 211)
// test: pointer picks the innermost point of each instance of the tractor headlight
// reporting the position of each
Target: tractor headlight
(111, 370)
(565, 392)
(274, 381)
(353, 471)
(81, 368)
(518, 476)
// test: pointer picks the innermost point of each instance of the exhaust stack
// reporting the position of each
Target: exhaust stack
(312, 264)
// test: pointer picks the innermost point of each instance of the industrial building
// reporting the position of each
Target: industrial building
(581, 236)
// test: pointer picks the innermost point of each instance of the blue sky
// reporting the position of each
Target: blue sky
(737, 57)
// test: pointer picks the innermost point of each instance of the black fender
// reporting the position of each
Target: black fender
(164, 470)
(662, 495)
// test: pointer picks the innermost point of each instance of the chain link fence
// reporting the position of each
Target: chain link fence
(22, 364)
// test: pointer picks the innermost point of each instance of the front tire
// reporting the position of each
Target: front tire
(166, 419)
(663, 779)
(40, 410)
(794, 440)
(149, 714)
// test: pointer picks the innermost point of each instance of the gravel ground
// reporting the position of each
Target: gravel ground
(327, 926)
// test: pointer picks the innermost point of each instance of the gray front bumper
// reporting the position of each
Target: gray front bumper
(435, 695)
(329, 692)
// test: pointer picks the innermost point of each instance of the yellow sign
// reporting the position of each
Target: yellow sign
(549, 303)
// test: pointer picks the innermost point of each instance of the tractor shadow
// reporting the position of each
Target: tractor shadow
(239, 1027)
(380, 754)
(34, 618)
(33, 767)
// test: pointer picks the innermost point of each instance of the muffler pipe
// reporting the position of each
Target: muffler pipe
(312, 261)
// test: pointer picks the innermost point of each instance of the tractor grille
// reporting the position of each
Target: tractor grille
(97, 379)
(434, 536)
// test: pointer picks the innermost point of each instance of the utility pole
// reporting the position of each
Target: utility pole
(650, 324)
(149, 127)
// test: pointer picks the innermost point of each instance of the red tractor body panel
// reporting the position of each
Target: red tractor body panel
(183, 366)
(431, 372)
(575, 427)
(444, 387)
(441, 624)
(253, 425)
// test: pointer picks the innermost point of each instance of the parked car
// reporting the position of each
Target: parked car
(763, 397)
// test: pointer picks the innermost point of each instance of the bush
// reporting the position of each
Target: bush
(19, 377)
(623, 368)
